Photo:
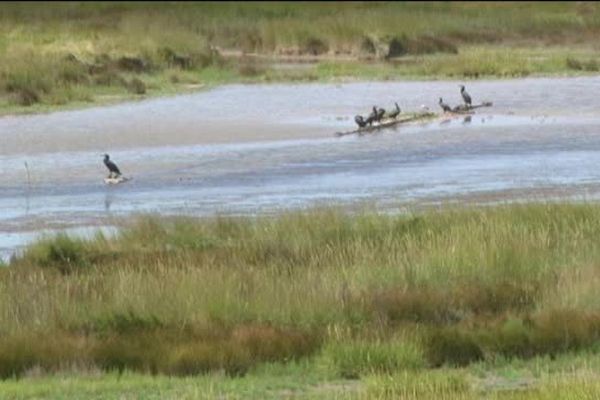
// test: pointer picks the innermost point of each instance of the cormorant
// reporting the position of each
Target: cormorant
(360, 121)
(372, 117)
(395, 113)
(112, 167)
(444, 106)
(465, 95)
(380, 114)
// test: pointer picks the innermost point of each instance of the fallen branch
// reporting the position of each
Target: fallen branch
(389, 123)
(464, 108)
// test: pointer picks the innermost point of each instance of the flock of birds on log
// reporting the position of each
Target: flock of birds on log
(377, 114)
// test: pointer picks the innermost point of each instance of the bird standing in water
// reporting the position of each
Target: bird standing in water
(465, 95)
(114, 171)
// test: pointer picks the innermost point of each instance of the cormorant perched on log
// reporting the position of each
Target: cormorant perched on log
(395, 113)
(112, 167)
(380, 114)
(360, 121)
(465, 95)
(372, 117)
(444, 106)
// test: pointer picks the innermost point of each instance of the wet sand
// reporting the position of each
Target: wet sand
(248, 149)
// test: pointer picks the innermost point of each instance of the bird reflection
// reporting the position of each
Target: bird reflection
(108, 199)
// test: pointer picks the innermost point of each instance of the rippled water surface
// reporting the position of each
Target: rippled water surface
(243, 149)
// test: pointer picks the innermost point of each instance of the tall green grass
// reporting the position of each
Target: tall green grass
(265, 25)
(368, 292)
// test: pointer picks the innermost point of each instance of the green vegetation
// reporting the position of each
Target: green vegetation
(72, 54)
(441, 304)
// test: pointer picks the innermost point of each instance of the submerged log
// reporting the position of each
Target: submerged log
(387, 123)
(413, 117)
(464, 108)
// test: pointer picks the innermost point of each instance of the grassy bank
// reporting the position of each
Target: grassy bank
(439, 299)
(566, 377)
(72, 54)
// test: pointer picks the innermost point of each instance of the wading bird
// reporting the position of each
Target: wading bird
(112, 167)
(444, 106)
(465, 95)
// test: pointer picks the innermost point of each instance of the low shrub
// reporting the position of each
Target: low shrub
(496, 297)
(110, 77)
(314, 46)
(143, 352)
(401, 46)
(61, 252)
(146, 345)
(20, 353)
(133, 64)
(578, 65)
(545, 333)
(136, 86)
(267, 343)
(25, 97)
(421, 305)
(452, 346)
(251, 69)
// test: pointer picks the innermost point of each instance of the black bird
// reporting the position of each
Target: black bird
(372, 117)
(444, 106)
(395, 113)
(380, 114)
(465, 95)
(112, 167)
(360, 121)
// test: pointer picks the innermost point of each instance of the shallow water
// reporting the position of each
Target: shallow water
(243, 149)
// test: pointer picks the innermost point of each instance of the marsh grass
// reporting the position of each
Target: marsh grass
(230, 293)
(70, 53)
(412, 385)
(150, 347)
(353, 358)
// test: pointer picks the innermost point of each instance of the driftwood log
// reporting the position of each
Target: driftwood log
(462, 109)
(465, 109)
(401, 119)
